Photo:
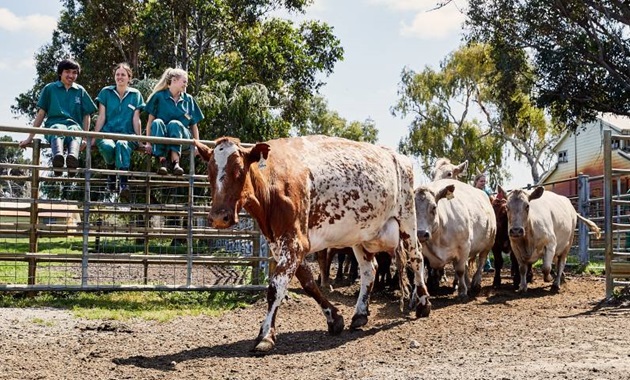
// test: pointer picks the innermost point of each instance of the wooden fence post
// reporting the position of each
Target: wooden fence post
(583, 209)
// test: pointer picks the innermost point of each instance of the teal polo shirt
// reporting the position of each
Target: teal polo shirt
(63, 106)
(162, 106)
(119, 111)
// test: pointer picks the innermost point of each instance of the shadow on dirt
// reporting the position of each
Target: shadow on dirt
(286, 344)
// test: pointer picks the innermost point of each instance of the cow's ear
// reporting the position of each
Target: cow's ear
(501, 193)
(461, 168)
(446, 192)
(259, 153)
(537, 193)
(203, 150)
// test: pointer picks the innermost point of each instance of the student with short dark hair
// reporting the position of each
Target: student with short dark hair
(65, 105)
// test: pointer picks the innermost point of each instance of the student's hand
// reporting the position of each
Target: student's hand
(83, 145)
(24, 143)
(148, 149)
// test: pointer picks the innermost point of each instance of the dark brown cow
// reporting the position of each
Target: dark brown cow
(315, 192)
(502, 243)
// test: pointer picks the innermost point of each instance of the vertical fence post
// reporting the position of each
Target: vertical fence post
(191, 200)
(34, 214)
(583, 209)
(608, 222)
(87, 171)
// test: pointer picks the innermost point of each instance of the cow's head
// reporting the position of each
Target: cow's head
(518, 210)
(444, 169)
(228, 170)
(426, 209)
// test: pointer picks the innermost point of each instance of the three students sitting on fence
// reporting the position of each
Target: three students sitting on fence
(64, 105)
(119, 108)
(172, 113)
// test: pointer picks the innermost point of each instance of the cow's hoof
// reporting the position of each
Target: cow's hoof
(474, 290)
(555, 288)
(496, 283)
(423, 311)
(548, 277)
(264, 346)
(358, 321)
(336, 327)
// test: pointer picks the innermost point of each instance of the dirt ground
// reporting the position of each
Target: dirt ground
(498, 335)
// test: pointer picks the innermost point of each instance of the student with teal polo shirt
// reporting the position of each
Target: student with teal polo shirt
(66, 106)
(172, 113)
(119, 109)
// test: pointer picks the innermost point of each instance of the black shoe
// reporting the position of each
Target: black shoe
(163, 170)
(72, 163)
(58, 162)
(177, 170)
(124, 193)
(111, 183)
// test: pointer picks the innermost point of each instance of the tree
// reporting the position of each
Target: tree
(469, 110)
(320, 120)
(579, 48)
(233, 41)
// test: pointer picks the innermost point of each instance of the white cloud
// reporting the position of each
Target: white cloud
(37, 24)
(438, 23)
(428, 21)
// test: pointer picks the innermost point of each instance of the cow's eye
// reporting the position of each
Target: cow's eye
(526, 207)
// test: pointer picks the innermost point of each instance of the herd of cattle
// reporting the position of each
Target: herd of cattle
(310, 194)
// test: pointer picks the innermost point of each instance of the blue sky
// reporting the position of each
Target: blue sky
(380, 38)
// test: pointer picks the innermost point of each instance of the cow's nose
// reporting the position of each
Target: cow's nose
(423, 235)
(517, 231)
(221, 218)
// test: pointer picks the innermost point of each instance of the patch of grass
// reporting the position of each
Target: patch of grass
(159, 306)
(42, 322)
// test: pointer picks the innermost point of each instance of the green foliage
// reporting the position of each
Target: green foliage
(578, 47)
(443, 104)
(232, 47)
(319, 120)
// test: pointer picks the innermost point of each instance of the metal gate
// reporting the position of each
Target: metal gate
(70, 232)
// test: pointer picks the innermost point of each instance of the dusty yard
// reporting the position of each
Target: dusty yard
(498, 335)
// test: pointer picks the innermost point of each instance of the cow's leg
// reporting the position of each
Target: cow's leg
(420, 297)
(333, 318)
(462, 279)
(288, 262)
(324, 267)
(548, 255)
(475, 287)
(498, 265)
(562, 260)
(367, 270)
(522, 267)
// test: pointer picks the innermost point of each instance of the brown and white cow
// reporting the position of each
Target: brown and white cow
(310, 193)
(445, 169)
(541, 224)
(455, 224)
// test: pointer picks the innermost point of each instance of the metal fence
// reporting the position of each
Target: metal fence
(617, 222)
(71, 232)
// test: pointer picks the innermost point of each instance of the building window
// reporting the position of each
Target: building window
(615, 144)
(563, 156)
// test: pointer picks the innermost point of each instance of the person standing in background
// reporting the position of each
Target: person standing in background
(480, 183)
(172, 113)
(119, 108)
(64, 105)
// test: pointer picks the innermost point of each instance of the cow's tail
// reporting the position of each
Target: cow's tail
(591, 225)
(403, 279)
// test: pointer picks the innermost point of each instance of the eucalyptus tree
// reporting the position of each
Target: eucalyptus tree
(470, 110)
(580, 50)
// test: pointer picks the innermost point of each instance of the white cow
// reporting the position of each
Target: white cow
(542, 224)
(444, 168)
(456, 223)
